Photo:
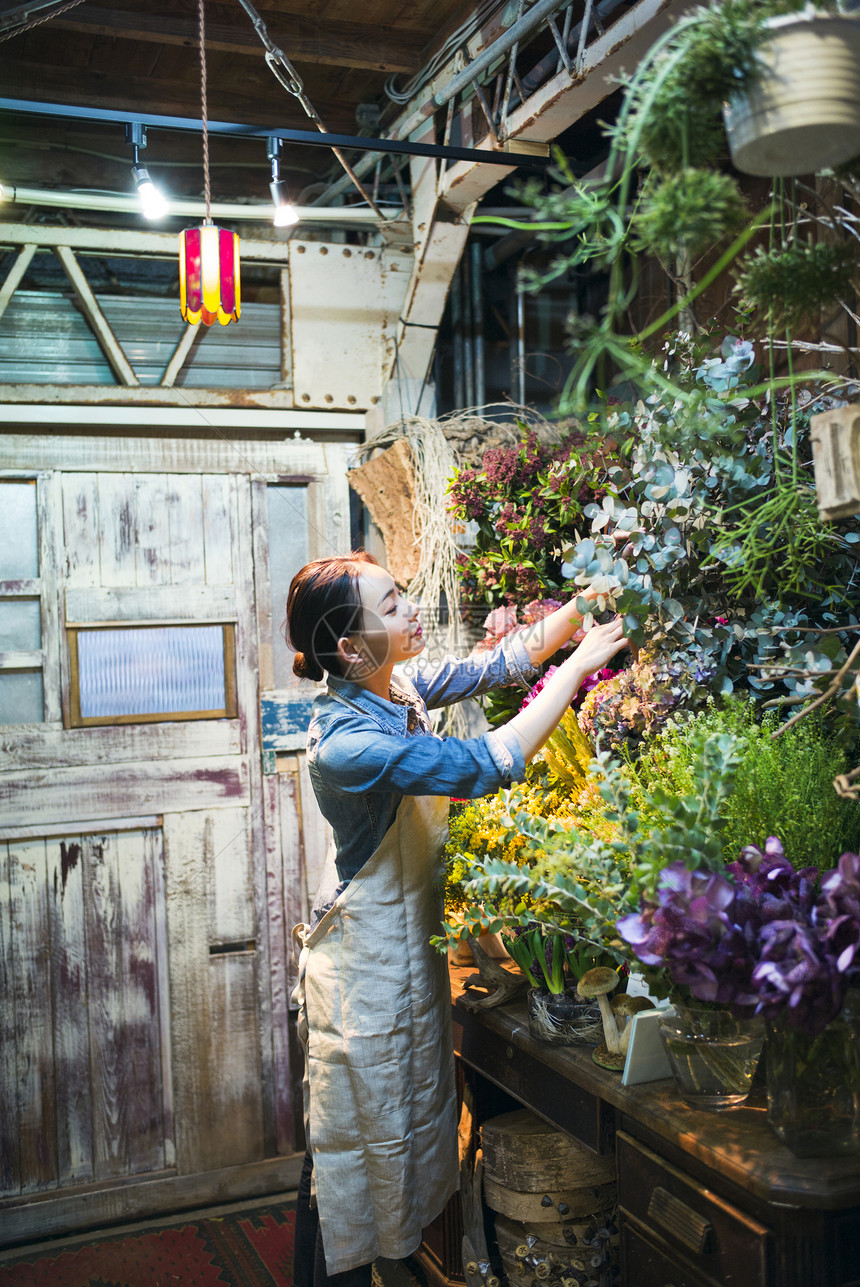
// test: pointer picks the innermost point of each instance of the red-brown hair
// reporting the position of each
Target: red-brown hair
(323, 606)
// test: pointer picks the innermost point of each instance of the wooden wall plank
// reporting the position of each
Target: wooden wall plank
(80, 529)
(278, 800)
(247, 687)
(69, 984)
(125, 1056)
(184, 497)
(50, 560)
(215, 1031)
(142, 1115)
(33, 1016)
(265, 626)
(117, 537)
(218, 517)
(231, 912)
(316, 833)
(73, 1212)
(152, 532)
(152, 603)
(10, 1159)
(21, 748)
(293, 837)
(121, 452)
(328, 506)
(104, 983)
(155, 858)
(159, 787)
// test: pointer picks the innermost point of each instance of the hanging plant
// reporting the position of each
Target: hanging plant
(792, 285)
(687, 212)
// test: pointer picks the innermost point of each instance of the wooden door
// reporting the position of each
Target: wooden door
(150, 872)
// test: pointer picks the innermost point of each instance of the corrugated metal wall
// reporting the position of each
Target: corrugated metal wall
(44, 339)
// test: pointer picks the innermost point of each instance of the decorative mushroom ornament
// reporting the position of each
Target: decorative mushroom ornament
(625, 1008)
(596, 985)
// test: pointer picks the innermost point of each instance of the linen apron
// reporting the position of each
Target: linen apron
(375, 1020)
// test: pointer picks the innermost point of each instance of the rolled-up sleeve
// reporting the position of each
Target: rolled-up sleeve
(356, 761)
(461, 677)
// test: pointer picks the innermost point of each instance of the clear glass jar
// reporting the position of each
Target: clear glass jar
(813, 1086)
(563, 1018)
(712, 1054)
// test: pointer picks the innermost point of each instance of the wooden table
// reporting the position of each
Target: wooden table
(706, 1198)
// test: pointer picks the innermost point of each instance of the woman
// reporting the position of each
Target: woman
(373, 995)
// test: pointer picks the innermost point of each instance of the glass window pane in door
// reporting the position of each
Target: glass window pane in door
(153, 670)
(21, 699)
(20, 624)
(288, 551)
(19, 543)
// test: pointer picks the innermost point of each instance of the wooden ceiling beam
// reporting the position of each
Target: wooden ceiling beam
(127, 93)
(338, 44)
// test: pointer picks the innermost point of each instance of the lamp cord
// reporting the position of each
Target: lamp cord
(204, 113)
(35, 22)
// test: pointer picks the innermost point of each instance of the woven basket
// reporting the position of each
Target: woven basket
(803, 114)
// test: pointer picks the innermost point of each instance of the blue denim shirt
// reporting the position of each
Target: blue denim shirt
(365, 753)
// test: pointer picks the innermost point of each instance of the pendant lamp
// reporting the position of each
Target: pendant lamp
(208, 256)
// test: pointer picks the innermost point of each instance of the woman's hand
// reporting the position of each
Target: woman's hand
(534, 724)
(564, 626)
(599, 645)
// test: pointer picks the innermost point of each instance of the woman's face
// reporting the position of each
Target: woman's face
(391, 632)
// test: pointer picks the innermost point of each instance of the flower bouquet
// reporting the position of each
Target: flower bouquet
(759, 940)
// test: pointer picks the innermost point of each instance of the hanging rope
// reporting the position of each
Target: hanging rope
(287, 76)
(35, 22)
(204, 111)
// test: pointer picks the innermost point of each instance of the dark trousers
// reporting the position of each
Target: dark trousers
(309, 1267)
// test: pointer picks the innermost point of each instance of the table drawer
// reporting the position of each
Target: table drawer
(686, 1219)
(645, 1265)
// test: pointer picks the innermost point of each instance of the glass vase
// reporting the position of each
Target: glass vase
(713, 1055)
(813, 1086)
(563, 1019)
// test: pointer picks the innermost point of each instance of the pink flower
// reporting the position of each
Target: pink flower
(500, 622)
(590, 681)
(538, 609)
(533, 692)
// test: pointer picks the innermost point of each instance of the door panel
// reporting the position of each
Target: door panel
(83, 956)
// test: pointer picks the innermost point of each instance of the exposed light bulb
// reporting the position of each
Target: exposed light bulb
(284, 214)
(153, 203)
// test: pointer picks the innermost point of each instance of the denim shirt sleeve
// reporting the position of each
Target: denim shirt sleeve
(457, 678)
(352, 759)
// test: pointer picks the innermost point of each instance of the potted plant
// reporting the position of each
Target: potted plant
(553, 964)
(800, 113)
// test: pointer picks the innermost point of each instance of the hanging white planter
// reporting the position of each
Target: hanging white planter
(803, 113)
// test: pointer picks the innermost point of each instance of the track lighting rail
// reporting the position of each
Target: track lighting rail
(309, 138)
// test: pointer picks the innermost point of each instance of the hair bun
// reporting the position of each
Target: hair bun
(307, 668)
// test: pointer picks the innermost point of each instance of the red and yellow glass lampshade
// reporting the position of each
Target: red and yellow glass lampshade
(209, 275)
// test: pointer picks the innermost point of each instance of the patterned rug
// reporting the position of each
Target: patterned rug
(252, 1248)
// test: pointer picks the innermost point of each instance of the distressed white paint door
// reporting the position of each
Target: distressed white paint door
(130, 941)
